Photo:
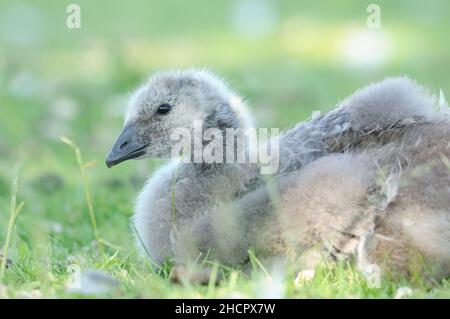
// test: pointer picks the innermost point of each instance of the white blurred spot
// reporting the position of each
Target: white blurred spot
(273, 286)
(304, 276)
(61, 111)
(253, 18)
(64, 108)
(365, 48)
(23, 84)
(403, 292)
(91, 282)
(56, 228)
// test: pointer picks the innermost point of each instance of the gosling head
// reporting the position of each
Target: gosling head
(171, 100)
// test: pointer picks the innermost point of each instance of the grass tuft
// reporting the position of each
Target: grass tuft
(13, 213)
(87, 190)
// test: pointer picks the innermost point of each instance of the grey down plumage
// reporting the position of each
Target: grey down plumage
(368, 181)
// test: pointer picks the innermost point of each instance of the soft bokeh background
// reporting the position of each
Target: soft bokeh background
(288, 58)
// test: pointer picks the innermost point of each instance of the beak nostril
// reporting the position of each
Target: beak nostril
(123, 145)
(126, 147)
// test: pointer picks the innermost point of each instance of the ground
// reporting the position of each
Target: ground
(56, 81)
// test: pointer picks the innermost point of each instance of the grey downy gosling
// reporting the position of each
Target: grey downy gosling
(176, 214)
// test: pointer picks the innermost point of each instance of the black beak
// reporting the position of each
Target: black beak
(126, 147)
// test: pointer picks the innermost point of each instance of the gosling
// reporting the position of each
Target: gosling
(187, 209)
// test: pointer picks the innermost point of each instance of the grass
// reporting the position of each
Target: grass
(13, 213)
(87, 189)
(76, 82)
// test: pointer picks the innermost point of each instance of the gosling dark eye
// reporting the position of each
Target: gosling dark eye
(163, 109)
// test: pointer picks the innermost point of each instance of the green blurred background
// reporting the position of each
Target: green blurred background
(287, 58)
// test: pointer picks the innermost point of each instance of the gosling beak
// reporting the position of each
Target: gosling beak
(126, 147)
